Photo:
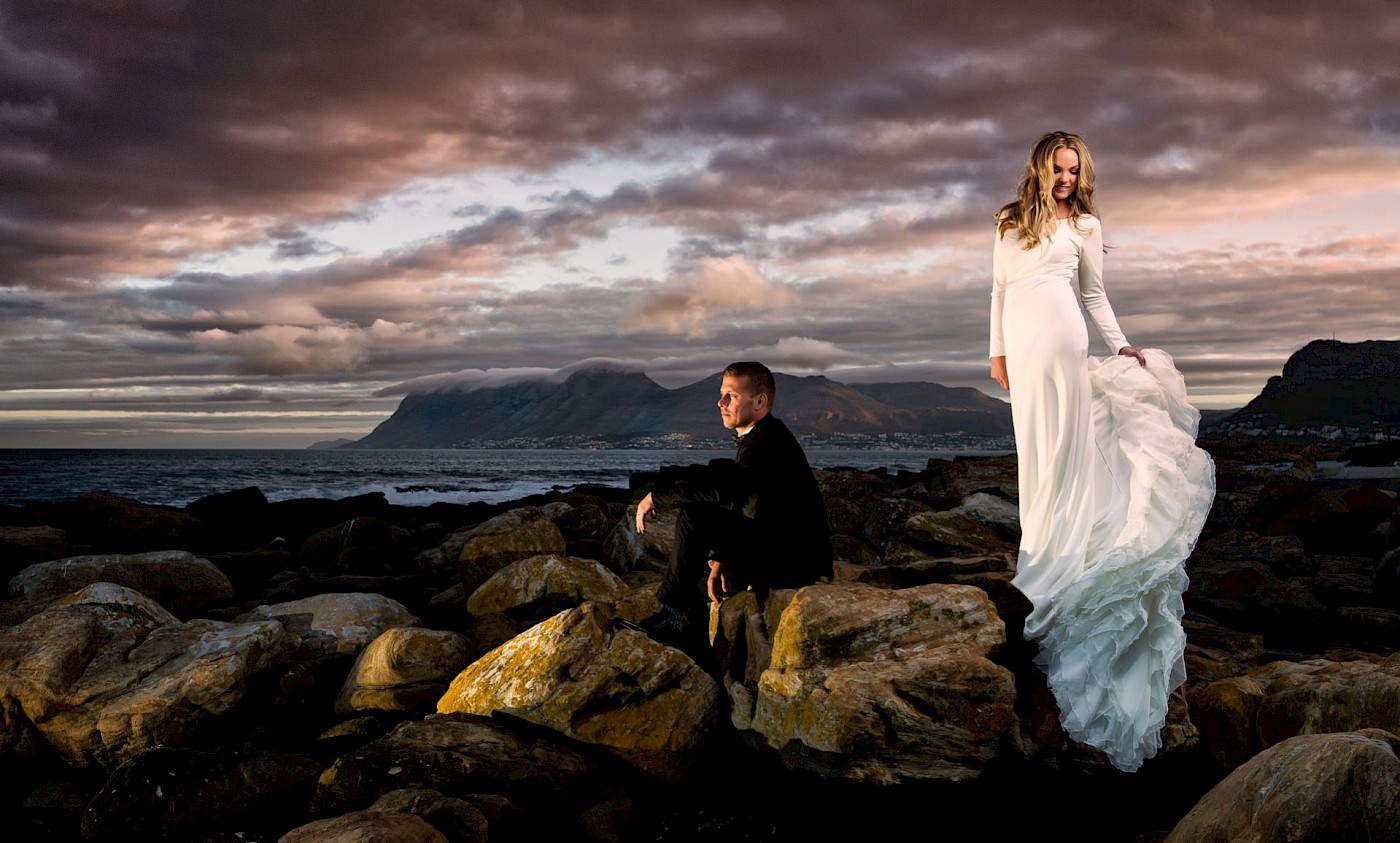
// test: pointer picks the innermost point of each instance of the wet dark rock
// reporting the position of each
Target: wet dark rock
(295, 519)
(886, 518)
(853, 550)
(182, 794)
(1385, 579)
(466, 754)
(21, 547)
(1278, 496)
(251, 570)
(1330, 788)
(236, 520)
(367, 544)
(123, 525)
(1216, 652)
(1344, 521)
(177, 579)
(1288, 571)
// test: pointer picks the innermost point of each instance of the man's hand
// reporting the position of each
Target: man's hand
(716, 573)
(644, 508)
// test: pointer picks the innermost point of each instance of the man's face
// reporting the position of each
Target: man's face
(738, 402)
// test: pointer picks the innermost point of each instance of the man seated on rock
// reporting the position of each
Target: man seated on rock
(758, 520)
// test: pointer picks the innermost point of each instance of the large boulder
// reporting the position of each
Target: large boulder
(236, 520)
(964, 476)
(363, 545)
(123, 525)
(1325, 696)
(741, 631)
(403, 669)
(1229, 510)
(107, 674)
(1276, 497)
(851, 484)
(177, 579)
(458, 819)
(184, 794)
(1341, 521)
(886, 519)
(1216, 652)
(23, 546)
(907, 569)
(482, 550)
(1229, 590)
(295, 519)
(1368, 627)
(996, 513)
(584, 521)
(337, 622)
(646, 703)
(1226, 711)
(1262, 584)
(250, 571)
(1328, 788)
(1241, 715)
(370, 826)
(1284, 555)
(457, 755)
(888, 686)
(543, 586)
(933, 535)
(627, 550)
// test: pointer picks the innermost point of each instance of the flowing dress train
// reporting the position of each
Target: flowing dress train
(1113, 493)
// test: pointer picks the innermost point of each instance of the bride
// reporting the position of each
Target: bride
(1113, 490)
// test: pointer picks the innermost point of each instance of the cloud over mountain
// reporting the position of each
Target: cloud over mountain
(331, 199)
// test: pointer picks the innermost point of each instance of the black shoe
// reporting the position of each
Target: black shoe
(667, 626)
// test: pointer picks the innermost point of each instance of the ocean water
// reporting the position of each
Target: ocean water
(413, 478)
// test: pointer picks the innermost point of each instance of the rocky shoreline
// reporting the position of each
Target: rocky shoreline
(318, 670)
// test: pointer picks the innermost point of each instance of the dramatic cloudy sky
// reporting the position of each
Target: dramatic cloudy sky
(259, 223)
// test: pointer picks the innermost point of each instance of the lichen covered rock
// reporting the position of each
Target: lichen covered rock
(405, 668)
(108, 674)
(644, 702)
(888, 686)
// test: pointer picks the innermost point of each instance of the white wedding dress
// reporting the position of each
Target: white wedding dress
(1113, 493)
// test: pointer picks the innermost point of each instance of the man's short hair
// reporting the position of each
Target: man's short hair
(758, 375)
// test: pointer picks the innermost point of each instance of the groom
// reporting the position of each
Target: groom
(757, 520)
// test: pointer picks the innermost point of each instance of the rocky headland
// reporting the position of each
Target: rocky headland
(601, 407)
(1328, 391)
(336, 670)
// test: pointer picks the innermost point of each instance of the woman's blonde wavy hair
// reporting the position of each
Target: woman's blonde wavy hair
(1032, 215)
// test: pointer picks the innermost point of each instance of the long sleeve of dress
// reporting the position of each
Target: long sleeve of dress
(998, 340)
(1091, 292)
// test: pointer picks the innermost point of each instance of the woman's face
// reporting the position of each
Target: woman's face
(1065, 174)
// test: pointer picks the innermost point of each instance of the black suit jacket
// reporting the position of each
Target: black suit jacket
(770, 481)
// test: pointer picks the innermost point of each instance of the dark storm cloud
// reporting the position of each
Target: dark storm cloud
(817, 147)
(149, 114)
(303, 246)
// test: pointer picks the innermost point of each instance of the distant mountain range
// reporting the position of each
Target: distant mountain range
(602, 407)
(1333, 390)
(1347, 392)
(329, 444)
